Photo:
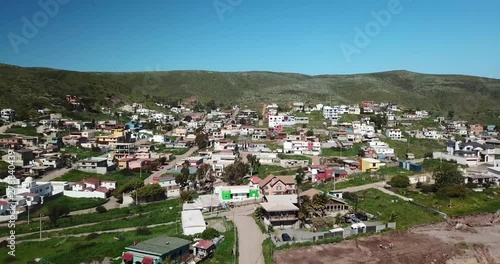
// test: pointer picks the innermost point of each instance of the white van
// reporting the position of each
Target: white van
(358, 226)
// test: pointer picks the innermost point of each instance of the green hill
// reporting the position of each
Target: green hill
(469, 97)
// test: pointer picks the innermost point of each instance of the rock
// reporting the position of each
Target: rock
(459, 226)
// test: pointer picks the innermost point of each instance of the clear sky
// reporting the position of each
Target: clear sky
(307, 36)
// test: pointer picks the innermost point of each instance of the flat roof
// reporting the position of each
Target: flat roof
(160, 246)
(371, 160)
(272, 207)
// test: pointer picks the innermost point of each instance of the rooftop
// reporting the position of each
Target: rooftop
(272, 207)
(159, 246)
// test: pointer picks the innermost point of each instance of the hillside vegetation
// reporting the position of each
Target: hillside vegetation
(469, 97)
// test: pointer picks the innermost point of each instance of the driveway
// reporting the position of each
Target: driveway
(170, 165)
(250, 237)
(378, 186)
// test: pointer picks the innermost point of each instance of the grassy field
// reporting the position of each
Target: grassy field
(81, 249)
(118, 176)
(27, 131)
(265, 170)
(224, 252)
(383, 206)
(112, 219)
(316, 119)
(74, 204)
(353, 152)
(349, 118)
(416, 146)
(82, 153)
(472, 203)
(365, 178)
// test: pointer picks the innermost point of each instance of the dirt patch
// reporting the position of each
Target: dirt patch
(476, 240)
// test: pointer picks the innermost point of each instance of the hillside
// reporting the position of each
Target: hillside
(470, 97)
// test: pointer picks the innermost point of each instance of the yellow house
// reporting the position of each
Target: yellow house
(123, 163)
(118, 132)
(369, 164)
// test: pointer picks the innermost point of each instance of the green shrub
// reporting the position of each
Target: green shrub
(428, 188)
(210, 233)
(452, 191)
(418, 185)
(100, 209)
(471, 185)
(399, 181)
(142, 231)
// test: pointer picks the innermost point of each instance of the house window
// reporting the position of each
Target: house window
(278, 187)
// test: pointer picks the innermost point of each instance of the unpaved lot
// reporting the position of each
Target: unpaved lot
(476, 240)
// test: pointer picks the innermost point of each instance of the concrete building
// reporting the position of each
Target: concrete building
(94, 165)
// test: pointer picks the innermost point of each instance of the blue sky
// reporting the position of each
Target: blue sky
(310, 37)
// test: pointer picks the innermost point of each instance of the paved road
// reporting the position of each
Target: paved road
(250, 237)
(170, 165)
(316, 160)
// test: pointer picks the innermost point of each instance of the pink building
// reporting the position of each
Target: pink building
(278, 185)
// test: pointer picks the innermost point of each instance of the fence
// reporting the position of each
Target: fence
(342, 234)
(432, 210)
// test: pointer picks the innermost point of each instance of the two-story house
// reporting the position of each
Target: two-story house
(278, 185)
(94, 165)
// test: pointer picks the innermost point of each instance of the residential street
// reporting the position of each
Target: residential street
(170, 165)
(250, 237)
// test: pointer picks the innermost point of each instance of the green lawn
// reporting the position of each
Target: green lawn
(76, 175)
(474, 202)
(112, 219)
(265, 170)
(365, 178)
(27, 131)
(224, 252)
(74, 204)
(349, 118)
(383, 205)
(353, 152)
(82, 153)
(419, 147)
(82, 249)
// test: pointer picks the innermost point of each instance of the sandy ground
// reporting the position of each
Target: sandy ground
(477, 240)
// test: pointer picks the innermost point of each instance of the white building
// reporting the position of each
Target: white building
(30, 186)
(281, 120)
(192, 222)
(94, 165)
(302, 147)
(169, 184)
(393, 133)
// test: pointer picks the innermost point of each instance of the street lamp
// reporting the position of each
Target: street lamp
(28, 203)
(40, 226)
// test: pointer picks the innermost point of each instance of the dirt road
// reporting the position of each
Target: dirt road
(170, 165)
(250, 237)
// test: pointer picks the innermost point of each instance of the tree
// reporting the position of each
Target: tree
(254, 163)
(319, 202)
(243, 121)
(150, 193)
(447, 174)
(399, 181)
(451, 114)
(211, 105)
(209, 233)
(201, 140)
(309, 133)
(183, 178)
(188, 118)
(57, 211)
(188, 196)
(305, 209)
(299, 177)
(234, 173)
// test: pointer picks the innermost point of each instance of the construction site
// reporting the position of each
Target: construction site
(462, 240)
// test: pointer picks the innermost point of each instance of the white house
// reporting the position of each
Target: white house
(170, 185)
(94, 165)
(393, 133)
(192, 222)
(281, 120)
(302, 147)
(31, 186)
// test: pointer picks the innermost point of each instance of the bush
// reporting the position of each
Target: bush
(100, 209)
(210, 233)
(399, 181)
(452, 191)
(428, 188)
(419, 185)
(471, 185)
(92, 236)
(142, 231)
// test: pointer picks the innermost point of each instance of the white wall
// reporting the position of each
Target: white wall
(76, 194)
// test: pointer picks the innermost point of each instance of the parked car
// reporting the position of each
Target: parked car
(362, 217)
(286, 237)
(358, 226)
